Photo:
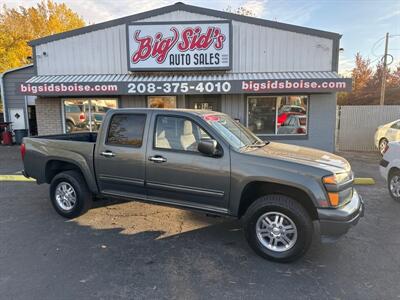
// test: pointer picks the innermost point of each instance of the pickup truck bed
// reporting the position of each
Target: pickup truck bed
(76, 149)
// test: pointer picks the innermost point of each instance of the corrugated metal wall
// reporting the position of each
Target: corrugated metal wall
(255, 49)
(133, 101)
(234, 106)
(357, 125)
(11, 82)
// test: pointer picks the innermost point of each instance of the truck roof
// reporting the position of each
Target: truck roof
(184, 110)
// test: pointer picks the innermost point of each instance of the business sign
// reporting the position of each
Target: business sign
(273, 86)
(179, 46)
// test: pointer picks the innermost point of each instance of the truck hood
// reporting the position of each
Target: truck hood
(303, 155)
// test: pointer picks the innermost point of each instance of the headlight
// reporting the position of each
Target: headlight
(337, 193)
(338, 178)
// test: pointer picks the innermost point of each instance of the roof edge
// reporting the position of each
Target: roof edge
(15, 69)
(188, 8)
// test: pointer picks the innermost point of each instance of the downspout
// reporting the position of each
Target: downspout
(3, 99)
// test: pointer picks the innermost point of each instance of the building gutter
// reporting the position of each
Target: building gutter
(3, 98)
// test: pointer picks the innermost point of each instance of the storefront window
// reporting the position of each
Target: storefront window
(86, 114)
(161, 101)
(277, 115)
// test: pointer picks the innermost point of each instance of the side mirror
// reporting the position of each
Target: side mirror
(208, 147)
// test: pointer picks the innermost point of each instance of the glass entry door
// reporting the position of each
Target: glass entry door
(204, 102)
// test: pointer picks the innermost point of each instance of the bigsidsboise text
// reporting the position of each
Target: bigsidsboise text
(71, 87)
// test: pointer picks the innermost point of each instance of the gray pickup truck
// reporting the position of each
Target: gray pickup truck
(205, 161)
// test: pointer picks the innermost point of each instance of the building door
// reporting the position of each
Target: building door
(206, 102)
(32, 120)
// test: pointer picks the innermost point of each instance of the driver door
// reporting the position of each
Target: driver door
(177, 173)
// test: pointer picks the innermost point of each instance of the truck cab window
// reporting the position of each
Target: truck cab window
(178, 134)
(126, 130)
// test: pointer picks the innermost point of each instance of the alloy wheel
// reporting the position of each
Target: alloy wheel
(395, 186)
(276, 231)
(65, 196)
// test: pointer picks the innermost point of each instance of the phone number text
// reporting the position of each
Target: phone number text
(179, 87)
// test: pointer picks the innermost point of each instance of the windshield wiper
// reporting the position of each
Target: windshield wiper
(255, 144)
(258, 144)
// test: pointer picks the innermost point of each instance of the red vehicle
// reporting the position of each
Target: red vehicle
(288, 110)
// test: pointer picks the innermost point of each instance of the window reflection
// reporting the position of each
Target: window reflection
(277, 115)
(86, 114)
(162, 101)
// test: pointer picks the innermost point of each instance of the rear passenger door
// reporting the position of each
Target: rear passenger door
(177, 173)
(120, 155)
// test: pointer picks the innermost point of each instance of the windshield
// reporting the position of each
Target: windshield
(233, 132)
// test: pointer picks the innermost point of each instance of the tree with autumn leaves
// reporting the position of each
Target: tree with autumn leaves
(367, 84)
(21, 25)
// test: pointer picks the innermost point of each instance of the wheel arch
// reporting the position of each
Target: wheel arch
(256, 189)
(55, 166)
(392, 169)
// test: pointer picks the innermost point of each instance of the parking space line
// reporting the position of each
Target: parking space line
(364, 181)
(15, 178)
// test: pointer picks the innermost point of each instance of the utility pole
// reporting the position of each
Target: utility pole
(383, 86)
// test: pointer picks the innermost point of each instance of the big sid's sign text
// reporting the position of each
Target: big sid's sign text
(183, 45)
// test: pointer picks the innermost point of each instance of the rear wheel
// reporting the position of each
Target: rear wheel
(278, 228)
(382, 145)
(70, 195)
(394, 185)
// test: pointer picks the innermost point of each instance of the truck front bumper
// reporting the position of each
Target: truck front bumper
(334, 222)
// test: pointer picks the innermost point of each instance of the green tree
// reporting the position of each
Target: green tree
(19, 26)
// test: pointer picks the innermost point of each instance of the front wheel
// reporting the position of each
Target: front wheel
(70, 195)
(278, 228)
(394, 185)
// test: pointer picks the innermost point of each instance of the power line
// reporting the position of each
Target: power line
(375, 45)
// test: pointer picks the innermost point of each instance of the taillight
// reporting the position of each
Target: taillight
(300, 130)
(385, 149)
(82, 117)
(23, 151)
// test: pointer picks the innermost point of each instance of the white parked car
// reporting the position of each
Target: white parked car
(387, 133)
(390, 168)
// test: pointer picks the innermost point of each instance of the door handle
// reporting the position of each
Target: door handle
(107, 154)
(157, 159)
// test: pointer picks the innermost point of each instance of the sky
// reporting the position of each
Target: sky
(363, 23)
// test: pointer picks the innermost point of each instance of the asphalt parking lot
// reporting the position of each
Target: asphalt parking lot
(132, 250)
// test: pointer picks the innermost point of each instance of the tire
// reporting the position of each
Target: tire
(382, 145)
(69, 126)
(292, 213)
(71, 185)
(393, 182)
